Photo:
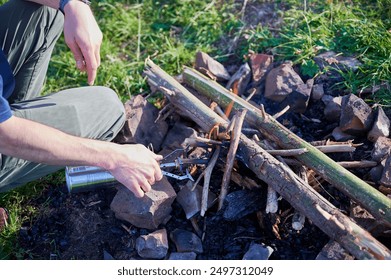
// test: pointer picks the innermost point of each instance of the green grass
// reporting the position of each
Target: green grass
(361, 29)
(171, 32)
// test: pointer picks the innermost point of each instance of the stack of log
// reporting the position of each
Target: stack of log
(279, 157)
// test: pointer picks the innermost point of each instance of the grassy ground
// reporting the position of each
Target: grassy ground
(171, 32)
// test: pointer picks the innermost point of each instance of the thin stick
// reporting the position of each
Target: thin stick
(207, 175)
(192, 141)
(298, 219)
(231, 156)
(288, 153)
(216, 108)
(282, 112)
(336, 149)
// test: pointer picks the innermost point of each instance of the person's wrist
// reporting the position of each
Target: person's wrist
(63, 3)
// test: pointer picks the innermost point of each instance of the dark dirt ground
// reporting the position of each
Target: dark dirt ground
(82, 226)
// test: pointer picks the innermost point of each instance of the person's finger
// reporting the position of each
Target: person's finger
(78, 55)
(135, 188)
(145, 186)
(91, 65)
(158, 157)
(157, 172)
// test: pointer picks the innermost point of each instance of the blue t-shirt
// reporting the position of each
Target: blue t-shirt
(7, 84)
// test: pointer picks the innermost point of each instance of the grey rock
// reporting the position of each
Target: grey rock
(258, 252)
(356, 116)
(381, 126)
(186, 241)
(332, 110)
(281, 81)
(317, 92)
(260, 64)
(339, 135)
(299, 97)
(381, 149)
(153, 245)
(211, 67)
(386, 175)
(176, 136)
(377, 171)
(147, 212)
(140, 126)
(190, 200)
(336, 62)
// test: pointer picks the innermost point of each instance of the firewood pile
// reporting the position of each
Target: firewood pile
(257, 160)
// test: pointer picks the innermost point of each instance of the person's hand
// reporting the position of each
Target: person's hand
(83, 37)
(136, 167)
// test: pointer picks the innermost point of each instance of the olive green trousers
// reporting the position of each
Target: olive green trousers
(28, 33)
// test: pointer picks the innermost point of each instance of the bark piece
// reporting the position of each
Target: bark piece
(356, 116)
(333, 251)
(211, 67)
(153, 245)
(281, 81)
(243, 202)
(147, 212)
(186, 241)
(381, 126)
(140, 126)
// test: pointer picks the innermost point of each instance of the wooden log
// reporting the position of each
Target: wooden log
(301, 196)
(371, 199)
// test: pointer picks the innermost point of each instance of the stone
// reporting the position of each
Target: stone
(339, 135)
(153, 245)
(381, 126)
(176, 136)
(333, 61)
(211, 67)
(332, 110)
(381, 149)
(260, 64)
(377, 171)
(183, 256)
(356, 115)
(240, 203)
(239, 81)
(258, 252)
(190, 200)
(386, 175)
(140, 126)
(186, 241)
(299, 97)
(147, 212)
(281, 81)
(317, 92)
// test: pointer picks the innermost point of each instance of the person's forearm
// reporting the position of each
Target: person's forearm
(35, 142)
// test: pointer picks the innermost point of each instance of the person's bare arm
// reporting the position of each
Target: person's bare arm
(82, 35)
(132, 165)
